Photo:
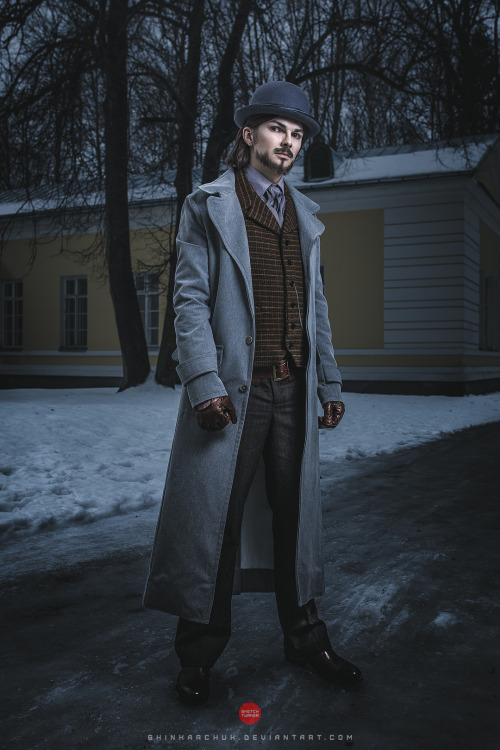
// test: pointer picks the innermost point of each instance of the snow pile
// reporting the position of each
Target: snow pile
(70, 457)
(375, 424)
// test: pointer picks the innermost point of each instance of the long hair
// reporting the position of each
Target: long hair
(239, 156)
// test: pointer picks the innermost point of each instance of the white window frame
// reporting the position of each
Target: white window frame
(148, 295)
(12, 337)
(74, 336)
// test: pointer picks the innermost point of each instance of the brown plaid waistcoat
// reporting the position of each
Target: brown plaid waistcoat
(277, 279)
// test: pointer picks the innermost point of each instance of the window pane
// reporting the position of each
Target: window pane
(11, 297)
(147, 285)
(75, 312)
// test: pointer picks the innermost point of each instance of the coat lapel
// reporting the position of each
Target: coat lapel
(309, 226)
(225, 212)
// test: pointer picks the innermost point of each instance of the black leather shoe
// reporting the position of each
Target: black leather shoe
(330, 666)
(193, 684)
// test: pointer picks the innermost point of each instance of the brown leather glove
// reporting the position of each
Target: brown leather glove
(217, 414)
(334, 411)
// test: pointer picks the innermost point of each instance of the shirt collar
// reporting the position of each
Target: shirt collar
(259, 182)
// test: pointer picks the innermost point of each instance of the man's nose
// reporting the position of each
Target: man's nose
(287, 139)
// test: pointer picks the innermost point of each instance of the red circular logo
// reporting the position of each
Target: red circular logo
(250, 713)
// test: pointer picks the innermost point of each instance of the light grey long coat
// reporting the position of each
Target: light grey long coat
(215, 328)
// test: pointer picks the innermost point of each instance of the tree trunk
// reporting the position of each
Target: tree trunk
(166, 373)
(133, 344)
(223, 128)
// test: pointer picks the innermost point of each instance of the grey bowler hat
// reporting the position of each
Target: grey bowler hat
(279, 98)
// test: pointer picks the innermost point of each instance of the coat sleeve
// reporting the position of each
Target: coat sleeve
(196, 349)
(329, 378)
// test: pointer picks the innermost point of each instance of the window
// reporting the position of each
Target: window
(74, 312)
(147, 287)
(11, 335)
(489, 328)
(318, 162)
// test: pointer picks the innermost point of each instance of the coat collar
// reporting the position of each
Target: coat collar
(225, 212)
(225, 183)
(253, 206)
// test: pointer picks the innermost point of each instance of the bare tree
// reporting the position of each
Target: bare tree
(222, 130)
(220, 135)
(56, 47)
(113, 48)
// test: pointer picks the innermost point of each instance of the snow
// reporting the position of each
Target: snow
(444, 620)
(77, 456)
(82, 470)
(374, 166)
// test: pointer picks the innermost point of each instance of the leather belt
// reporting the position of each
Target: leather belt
(282, 371)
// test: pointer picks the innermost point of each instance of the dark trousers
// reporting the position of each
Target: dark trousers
(275, 429)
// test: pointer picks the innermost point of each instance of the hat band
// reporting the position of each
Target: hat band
(281, 106)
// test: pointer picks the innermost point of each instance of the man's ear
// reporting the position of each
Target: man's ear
(247, 134)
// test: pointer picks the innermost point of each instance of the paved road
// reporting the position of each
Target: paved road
(411, 550)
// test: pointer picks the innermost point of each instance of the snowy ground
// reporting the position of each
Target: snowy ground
(70, 458)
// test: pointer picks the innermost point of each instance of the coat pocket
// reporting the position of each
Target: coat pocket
(327, 371)
(331, 373)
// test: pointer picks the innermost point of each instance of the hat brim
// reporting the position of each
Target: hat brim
(241, 115)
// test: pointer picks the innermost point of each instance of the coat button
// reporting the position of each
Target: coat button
(243, 388)
(249, 339)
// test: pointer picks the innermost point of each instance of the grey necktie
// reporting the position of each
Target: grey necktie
(275, 199)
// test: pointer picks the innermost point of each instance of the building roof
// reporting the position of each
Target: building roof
(390, 163)
(393, 163)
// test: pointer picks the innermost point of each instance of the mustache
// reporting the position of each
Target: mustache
(283, 151)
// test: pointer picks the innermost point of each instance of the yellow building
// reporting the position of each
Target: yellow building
(57, 320)
(411, 266)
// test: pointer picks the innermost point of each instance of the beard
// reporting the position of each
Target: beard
(282, 169)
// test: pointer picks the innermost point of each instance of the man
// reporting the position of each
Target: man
(254, 350)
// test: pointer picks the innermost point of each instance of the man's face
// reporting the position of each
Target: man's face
(274, 146)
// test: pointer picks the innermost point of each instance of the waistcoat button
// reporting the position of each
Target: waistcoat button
(249, 339)
(243, 389)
